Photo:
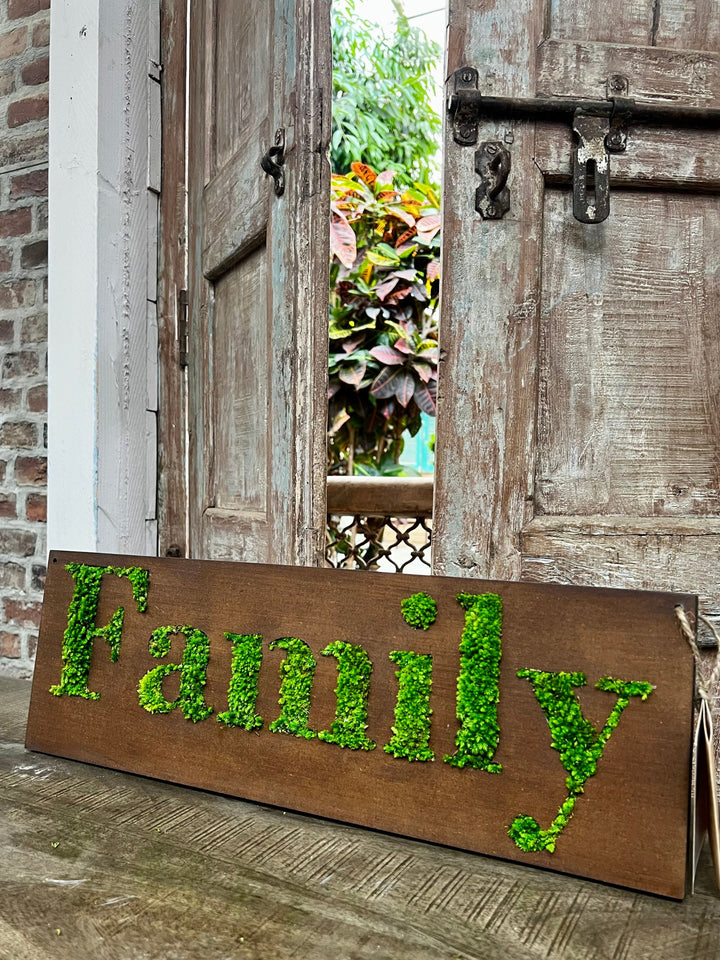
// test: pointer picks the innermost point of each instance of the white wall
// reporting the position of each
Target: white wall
(102, 343)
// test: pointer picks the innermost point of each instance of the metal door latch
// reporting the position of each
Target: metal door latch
(492, 197)
(274, 160)
(600, 126)
(591, 169)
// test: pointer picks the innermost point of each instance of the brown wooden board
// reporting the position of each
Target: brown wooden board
(629, 826)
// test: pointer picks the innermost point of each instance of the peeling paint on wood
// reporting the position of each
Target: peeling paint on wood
(171, 450)
(578, 420)
(258, 280)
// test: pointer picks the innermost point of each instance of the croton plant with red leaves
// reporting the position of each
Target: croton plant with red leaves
(384, 281)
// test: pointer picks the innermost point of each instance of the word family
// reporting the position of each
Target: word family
(577, 740)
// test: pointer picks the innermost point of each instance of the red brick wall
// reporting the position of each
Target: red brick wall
(24, 58)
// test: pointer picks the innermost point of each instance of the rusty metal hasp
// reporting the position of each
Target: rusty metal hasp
(600, 126)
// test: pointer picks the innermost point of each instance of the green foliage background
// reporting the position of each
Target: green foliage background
(382, 96)
(384, 239)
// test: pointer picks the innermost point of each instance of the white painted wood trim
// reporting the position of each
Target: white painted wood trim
(102, 278)
(72, 276)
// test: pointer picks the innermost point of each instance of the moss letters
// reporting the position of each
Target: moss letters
(474, 740)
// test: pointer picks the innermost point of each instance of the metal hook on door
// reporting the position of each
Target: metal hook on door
(492, 197)
(273, 161)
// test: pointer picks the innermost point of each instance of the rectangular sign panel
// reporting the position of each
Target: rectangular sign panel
(545, 724)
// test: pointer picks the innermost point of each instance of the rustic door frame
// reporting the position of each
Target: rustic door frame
(172, 450)
(176, 419)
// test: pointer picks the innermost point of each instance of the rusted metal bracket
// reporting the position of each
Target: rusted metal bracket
(591, 169)
(600, 126)
(274, 160)
(467, 106)
(492, 197)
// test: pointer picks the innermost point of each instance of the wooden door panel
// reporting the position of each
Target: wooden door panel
(238, 130)
(567, 69)
(258, 279)
(655, 158)
(679, 24)
(241, 79)
(241, 358)
(629, 409)
(625, 552)
(226, 239)
(578, 429)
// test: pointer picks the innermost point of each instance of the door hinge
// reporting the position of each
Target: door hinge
(182, 327)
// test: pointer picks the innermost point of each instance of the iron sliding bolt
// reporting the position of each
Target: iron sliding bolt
(599, 125)
(466, 105)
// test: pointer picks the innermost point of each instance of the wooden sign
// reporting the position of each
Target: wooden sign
(545, 724)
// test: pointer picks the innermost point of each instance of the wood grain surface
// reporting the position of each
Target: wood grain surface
(629, 826)
(133, 869)
(578, 418)
(258, 279)
(172, 492)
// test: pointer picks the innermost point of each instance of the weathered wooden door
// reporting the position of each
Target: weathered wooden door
(259, 78)
(579, 415)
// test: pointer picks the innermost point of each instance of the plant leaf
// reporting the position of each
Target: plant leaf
(405, 236)
(407, 218)
(387, 355)
(405, 387)
(405, 274)
(351, 345)
(380, 260)
(423, 370)
(353, 375)
(397, 295)
(433, 270)
(425, 399)
(385, 383)
(342, 241)
(428, 353)
(403, 346)
(364, 172)
(383, 289)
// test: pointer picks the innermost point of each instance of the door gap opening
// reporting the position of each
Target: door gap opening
(385, 268)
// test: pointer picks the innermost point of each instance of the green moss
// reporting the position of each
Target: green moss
(193, 674)
(353, 687)
(411, 733)
(579, 744)
(81, 627)
(296, 678)
(243, 691)
(478, 691)
(419, 611)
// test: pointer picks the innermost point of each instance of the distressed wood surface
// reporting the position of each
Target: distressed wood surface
(487, 386)
(676, 76)
(582, 380)
(258, 280)
(676, 24)
(685, 160)
(380, 496)
(172, 277)
(630, 825)
(629, 406)
(134, 868)
(658, 553)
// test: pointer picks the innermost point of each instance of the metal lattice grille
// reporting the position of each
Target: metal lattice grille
(379, 543)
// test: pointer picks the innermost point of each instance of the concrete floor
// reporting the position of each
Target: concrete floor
(98, 864)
